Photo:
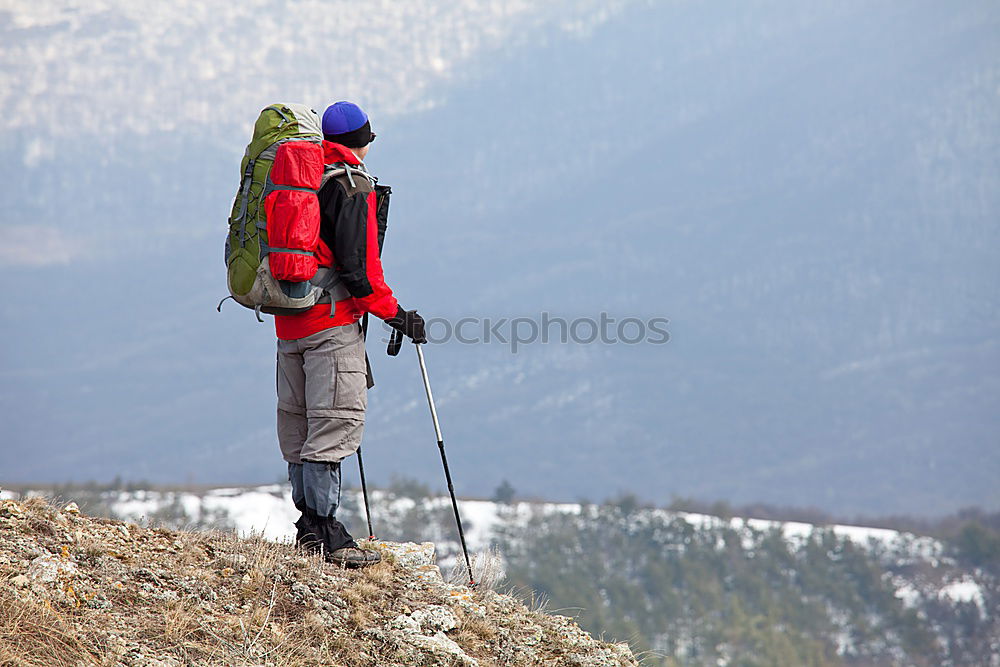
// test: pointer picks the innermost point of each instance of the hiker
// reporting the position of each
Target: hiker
(322, 377)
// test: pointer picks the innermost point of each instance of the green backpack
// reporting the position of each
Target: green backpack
(248, 274)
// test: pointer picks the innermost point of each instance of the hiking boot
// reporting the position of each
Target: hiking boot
(354, 557)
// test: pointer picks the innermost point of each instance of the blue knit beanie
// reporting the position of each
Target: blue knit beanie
(346, 124)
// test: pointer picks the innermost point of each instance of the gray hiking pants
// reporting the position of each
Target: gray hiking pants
(315, 486)
(322, 395)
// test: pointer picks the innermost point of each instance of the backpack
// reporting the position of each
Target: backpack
(274, 224)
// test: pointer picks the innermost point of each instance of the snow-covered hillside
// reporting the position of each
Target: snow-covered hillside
(268, 510)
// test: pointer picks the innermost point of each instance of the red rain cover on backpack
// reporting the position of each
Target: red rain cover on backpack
(292, 210)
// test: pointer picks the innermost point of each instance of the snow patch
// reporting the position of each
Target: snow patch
(263, 510)
(907, 593)
(964, 590)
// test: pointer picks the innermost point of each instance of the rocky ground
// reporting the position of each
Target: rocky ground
(83, 591)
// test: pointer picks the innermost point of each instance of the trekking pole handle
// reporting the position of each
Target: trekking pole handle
(430, 395)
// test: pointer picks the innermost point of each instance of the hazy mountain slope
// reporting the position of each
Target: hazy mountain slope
(207, 58)
(808, 193)
(820, 227)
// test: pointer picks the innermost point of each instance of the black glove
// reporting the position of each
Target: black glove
(410, 323)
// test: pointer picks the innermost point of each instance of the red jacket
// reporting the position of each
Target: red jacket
(350, 243)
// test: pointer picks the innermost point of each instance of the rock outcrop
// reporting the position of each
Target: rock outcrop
(83, 591)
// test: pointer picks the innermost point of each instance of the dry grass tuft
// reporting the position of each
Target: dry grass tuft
(488, 569)
(380, 575)
(479, 628)
(366, 589)
(360, 618)
(35, 635)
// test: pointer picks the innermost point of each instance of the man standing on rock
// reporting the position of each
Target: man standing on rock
(321, 370)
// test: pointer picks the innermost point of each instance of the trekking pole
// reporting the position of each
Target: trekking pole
(364, 492)
(361, 465)
(444, 459)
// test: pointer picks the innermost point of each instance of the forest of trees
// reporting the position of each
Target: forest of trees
(695, 596)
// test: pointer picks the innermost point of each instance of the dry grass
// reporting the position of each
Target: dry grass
(35, 635)
(475, 630)
(488, 569)
(535, 602)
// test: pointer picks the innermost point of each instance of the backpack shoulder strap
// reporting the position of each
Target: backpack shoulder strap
(348, 171)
